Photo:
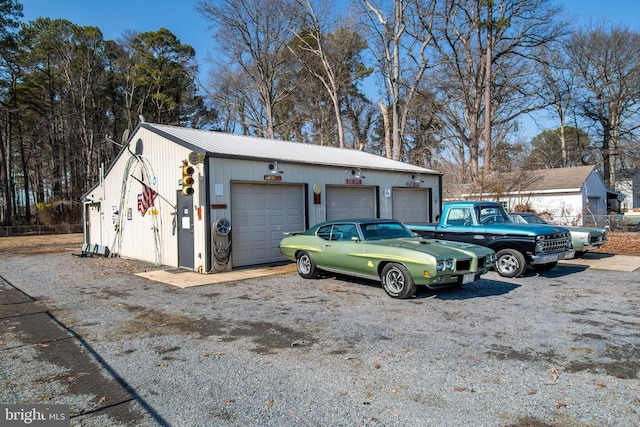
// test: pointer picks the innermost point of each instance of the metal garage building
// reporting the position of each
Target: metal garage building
(246, 192)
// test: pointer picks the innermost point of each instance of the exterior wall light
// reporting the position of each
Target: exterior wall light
(357, 173)
(273, 167)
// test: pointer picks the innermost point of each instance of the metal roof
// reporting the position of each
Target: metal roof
(247, 147)
(558, 178)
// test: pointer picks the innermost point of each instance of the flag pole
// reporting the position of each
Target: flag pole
(158, 194)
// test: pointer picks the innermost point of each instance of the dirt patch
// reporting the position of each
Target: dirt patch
(38, 244)
(267, 336)
(621, 243)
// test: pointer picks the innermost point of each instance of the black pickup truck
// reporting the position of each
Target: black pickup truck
(516, 245)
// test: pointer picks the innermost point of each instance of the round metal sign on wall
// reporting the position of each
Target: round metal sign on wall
(195, 158)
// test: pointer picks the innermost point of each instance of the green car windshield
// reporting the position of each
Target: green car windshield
(384, 230)
(530, 219)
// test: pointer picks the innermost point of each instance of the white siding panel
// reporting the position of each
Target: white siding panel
(350, 202)
(136, 237)
(411, 204)
(260, 214)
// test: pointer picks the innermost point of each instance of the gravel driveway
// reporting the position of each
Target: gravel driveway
(555, 349)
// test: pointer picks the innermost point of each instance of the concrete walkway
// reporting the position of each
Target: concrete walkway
(598, 261)
(186, 279)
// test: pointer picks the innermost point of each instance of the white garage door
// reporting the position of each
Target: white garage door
(351, 202)
(411, 204)
(260, 213)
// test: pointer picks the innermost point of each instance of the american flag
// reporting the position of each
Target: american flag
(148, 196)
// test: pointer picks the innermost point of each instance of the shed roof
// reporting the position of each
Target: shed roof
(247, 147)
(558, 178)
(537, 181)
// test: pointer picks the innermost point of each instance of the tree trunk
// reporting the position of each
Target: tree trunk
(387, 129)
(486, 170)
(4, 183)
(25, 169)
(563, 140)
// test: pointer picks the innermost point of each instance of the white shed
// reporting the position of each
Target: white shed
(569, 195)
(247, 192)
(628, 185)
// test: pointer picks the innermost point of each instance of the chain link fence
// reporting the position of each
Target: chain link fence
(31, 230)
(610, 222)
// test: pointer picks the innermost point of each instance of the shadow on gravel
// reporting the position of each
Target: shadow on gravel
(594, 255)
(479, 289)
(559, 271)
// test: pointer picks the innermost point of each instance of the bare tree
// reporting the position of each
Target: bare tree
(484, 74)
(557, 88)
(401, 42)
(252, 35)
(360, 114)
(606, 63)
(336, 53)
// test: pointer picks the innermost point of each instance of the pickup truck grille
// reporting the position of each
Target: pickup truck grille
(555, 243)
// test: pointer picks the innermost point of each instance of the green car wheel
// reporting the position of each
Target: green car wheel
(306, 266)
(397, 282)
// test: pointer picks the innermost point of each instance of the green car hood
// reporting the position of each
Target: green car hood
(436, 248)
(591, 230)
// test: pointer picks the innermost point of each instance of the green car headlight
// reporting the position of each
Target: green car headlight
(448, 265)
(440, 266)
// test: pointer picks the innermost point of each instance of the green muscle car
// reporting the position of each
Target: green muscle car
(385, 250)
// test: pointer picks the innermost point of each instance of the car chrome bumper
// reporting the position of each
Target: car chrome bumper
(547, 258)
(594, 245)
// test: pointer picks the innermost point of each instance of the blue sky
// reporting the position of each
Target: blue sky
(115, 17)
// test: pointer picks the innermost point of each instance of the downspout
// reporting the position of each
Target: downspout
(207, 216)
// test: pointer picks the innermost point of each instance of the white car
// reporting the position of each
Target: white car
(583, 239)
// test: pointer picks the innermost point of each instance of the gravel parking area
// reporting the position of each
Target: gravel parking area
(554, 349)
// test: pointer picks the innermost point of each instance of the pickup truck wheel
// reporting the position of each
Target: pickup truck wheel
(510, 263)
(306, 266)
(397, 281)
